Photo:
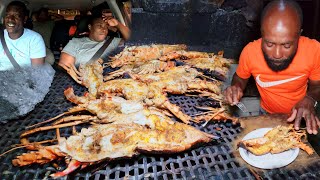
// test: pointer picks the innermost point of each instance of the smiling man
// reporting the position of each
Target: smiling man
(26, 46)
(285, 65)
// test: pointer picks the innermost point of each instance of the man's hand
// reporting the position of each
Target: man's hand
(305, 109)
(112, 22)
(233, 94)
(115, 25)
(109, 19)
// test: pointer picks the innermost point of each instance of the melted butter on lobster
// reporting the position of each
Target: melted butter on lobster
(277, 140)
(155, 134)
(119, 140)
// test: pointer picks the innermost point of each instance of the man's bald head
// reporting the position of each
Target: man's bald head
(280, 29)
(282, 10)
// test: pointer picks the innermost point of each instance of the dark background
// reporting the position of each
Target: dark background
(208, 25)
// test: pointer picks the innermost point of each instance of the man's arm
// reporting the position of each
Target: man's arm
(124, 30)
(234, 93)
(305, 108)
(37, 49)
(314, 90)
(37, 61)
(66, 60)
(112, 22)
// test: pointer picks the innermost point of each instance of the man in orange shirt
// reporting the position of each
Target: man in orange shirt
(285, 65)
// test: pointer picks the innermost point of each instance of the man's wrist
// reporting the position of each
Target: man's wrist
(310, 97)
(239, 86)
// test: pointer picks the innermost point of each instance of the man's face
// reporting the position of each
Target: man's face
(43, 16)
(279, 45)
(99, 30)
(14, 20)
(278, 65)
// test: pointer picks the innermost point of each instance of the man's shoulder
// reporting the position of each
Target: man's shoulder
(308, 41)
(80, 40)
(28, 33)
(254, 44)
(308, 46)
(253, 47)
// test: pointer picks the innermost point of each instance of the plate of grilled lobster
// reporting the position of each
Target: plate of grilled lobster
(269, 148)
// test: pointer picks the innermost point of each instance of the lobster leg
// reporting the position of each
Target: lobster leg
(174, 109)
(73, 165)
(69, 94)
(75, 118)
(70, 111)
(73, 72)
(50, 127)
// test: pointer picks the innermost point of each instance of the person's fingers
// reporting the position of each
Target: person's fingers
(232, 95)
(307, 118)
(112, 22)
(293, 115)
(229, 95)
(240, 94)
(318, 121)
(224, 93)
(297, 121)
(106, 19)
(235, 96)
(314, 124)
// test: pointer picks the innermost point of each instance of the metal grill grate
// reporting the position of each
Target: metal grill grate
(210, 161)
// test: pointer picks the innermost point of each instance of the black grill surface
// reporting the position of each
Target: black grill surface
(208, 161)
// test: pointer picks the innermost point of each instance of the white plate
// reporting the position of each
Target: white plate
(267, 161)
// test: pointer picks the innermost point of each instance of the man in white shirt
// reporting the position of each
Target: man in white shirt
(26, 46)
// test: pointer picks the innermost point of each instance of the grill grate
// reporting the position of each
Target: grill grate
(210, 161)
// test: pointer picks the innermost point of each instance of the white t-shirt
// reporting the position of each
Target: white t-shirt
(29, 46)
(83, 49)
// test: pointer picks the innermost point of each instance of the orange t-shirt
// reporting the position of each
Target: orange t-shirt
(72, 30)
(280, 91)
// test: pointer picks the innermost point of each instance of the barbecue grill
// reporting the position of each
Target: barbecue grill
(214, 160)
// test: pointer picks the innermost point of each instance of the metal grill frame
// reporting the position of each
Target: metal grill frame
(208, 161)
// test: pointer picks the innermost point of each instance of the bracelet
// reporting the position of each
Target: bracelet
(315, 102)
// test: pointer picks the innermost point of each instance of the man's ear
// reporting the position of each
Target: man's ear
(25, 19)
(89, 26)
